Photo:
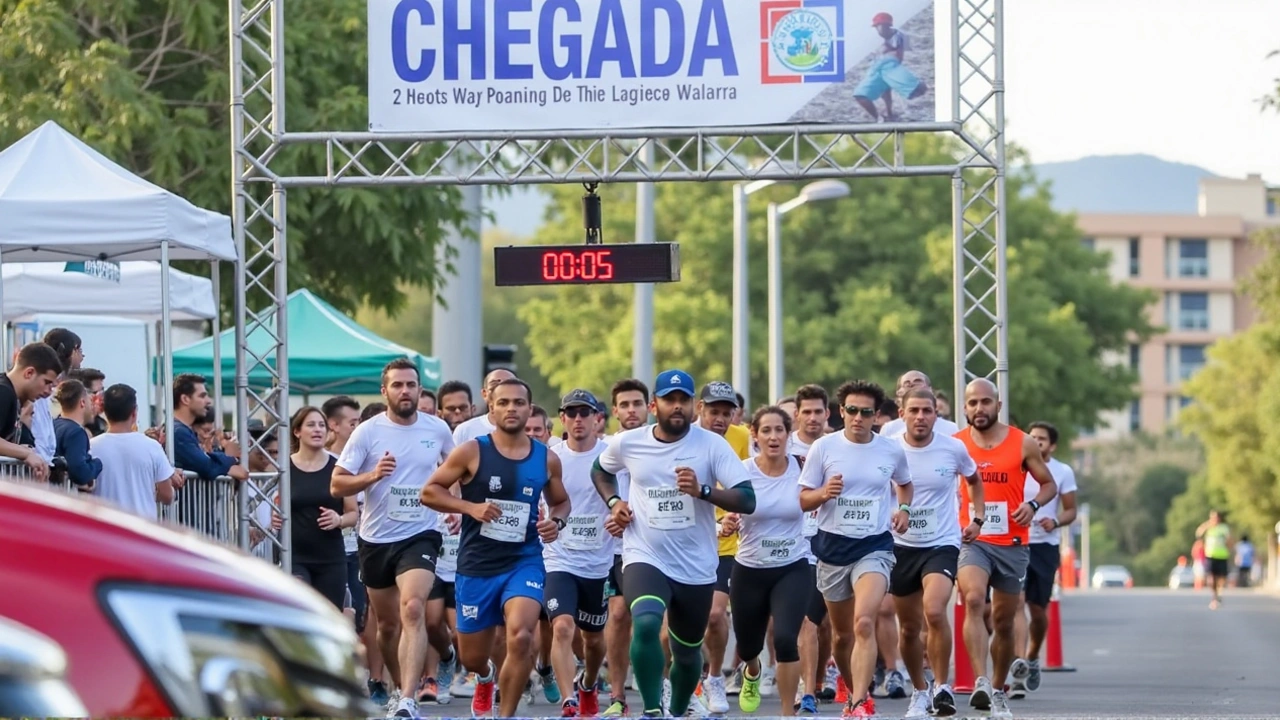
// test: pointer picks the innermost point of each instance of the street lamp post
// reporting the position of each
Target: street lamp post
(741, 287)
(813, 192)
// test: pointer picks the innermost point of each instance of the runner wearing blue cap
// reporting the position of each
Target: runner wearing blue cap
(679, 474)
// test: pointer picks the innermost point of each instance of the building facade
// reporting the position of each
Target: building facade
(1194, 264)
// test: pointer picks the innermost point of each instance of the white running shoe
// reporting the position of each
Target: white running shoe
(980, 698)
(393, 703)
(734, 684)
(697, 708)
(464, 686)
(919, 706)
(1019, 670)
(768, 682)
(716, 699)
(1017, 690)
(406, 708)
(1000, 706)
(666, 697)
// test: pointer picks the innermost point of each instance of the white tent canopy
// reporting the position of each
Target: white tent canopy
(61, 200)
(31, 288)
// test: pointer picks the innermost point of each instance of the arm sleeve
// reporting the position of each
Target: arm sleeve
(81, 468)
(811, 475)
(355, 452)
(188, 455)
(611, 459)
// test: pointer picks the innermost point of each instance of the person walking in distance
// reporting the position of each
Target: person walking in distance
(1045, 558)
(853, 476)
(679, 475)
(578, 564)
(1217, 551)
(771, 572)
(926, 554)
(998, 558)
(500, 579)
(631, 407)
(386, 458)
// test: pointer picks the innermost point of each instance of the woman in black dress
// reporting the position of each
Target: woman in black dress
(319, 557)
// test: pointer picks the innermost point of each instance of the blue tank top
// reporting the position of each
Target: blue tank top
(517, 485)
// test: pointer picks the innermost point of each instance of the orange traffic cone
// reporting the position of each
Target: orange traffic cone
(962, 679)
(1053, 640)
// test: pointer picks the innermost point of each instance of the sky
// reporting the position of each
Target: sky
(1178, 79)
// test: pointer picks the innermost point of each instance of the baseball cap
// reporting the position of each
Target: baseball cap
(579, 397)
(670, 381)
(715, 392)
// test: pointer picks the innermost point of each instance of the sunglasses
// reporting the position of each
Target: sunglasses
(578, 411)
(864, 412)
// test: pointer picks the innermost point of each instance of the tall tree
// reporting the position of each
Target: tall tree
(867, 292)
(147, 83)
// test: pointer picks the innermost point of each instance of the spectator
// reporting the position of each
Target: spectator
(266, 448)
(67, 346)
(342, 415)
(190, 401)
(94, 382)
(35, 370)
(72, 438)
(135, 472)
(207, 431)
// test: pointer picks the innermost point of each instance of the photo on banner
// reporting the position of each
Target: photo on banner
(457, 66)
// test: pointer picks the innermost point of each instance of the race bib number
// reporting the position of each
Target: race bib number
(449, 550)
(995, 520)
(406, 506)
(922, 525)
(857, 516)
(811, 524)
(510, 526)
(777, 550)
(668, 509)
(583, 532)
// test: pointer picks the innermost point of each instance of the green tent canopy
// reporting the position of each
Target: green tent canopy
(329, 353)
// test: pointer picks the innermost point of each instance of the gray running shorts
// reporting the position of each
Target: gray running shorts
(836, 582)
(1005, 564)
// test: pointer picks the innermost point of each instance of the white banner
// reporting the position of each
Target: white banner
(512, 65)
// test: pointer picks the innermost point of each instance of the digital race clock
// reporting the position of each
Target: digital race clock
(586, 264)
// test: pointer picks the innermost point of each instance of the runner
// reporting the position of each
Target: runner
(998, 558)
(852, 476)
(717, 404)
(1217, 550)
(482, 424)
(771, 571)
(911, 380)
(578, 565)
(455, 406)
(1046, 556)
(926, 554)
(386, 459)
(631, 407)
(668, 547)
(810, 412)
(500, 575)
(442, 605)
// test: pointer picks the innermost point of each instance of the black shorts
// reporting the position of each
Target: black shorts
(817, 610)
(382, 563)
(1041, 569)
(567, 594)
(688, 607)
(723, 571)
(1219, 568)
(442, 590)
(911, 564)
(613, 583)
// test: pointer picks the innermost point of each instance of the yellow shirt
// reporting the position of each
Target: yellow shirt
(739, 438)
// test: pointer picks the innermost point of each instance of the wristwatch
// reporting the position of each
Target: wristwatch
(1056, 524)
(980, 521)
(1034, 505)
(612, 501)
(905, 508)
(705, 492)
(560, 522)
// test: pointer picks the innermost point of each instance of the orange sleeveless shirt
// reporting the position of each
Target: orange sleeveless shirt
(1004, 480)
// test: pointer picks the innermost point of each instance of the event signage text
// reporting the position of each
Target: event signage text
(101, 269)
(507, 65)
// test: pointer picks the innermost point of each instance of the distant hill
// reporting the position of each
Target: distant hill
(1123, 184)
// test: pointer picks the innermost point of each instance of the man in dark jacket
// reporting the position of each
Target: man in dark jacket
(72, 438)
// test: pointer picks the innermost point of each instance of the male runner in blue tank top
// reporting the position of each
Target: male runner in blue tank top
(500, 572)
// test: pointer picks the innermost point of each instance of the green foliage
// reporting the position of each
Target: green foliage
(146, 83)
(867, 292)
(1187, 511)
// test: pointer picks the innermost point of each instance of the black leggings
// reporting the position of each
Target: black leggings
(328, 579)
(755, 594)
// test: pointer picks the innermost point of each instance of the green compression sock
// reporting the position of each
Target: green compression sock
(647, 658)
(686, 672)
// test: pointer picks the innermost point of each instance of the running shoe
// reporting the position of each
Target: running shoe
(698, 706)
(482, 700)
(617, 708)
(569, 708)
(1019, 669)
(378, 693)
(550, 690)
(1033, 676)
(918, 708)
(406, 708)
(842, 692)
(429, 691)
(666, 696)
(445, 673)
(768, 682)
(749, 696)
(464, 686)
(980, 698)
(808, 705)
(944, 701)
(1016, 690)
(1000, 706)
(895, 685)
(393, 703)
(588, 700)
(716, 699)
(734, 684)
(866, 707)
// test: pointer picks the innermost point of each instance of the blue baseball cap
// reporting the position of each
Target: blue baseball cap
(671, 381)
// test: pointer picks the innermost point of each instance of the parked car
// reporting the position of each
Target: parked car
(157, 622)
(1111, 576)
(33, 679)
(1182, 576)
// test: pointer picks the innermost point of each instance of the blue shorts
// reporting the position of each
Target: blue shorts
(481, 600)
(885, 74)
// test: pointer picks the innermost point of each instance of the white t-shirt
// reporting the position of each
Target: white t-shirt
(773, 535)
(674, 532)
(478, 426)
(349, 544)
(796, 446)
(898, 427)
(447, 563)
(392, 508)
(869, 471)
(132, 465)
(42, 428)
(1065, 477)
(935, 504)
(584, 548)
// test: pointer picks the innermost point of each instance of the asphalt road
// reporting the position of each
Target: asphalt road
(1138, 653)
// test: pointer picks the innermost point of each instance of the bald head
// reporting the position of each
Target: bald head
(913, 379)
(492, 379)
(981, 388)
(982, 404)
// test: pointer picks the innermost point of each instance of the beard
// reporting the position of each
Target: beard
(674, 425)
(406, 409)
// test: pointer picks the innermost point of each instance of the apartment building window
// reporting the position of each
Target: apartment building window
(1135, 415)
(1135, 356)
(1193, 258)
(1135, 267)
(1193, 311)
(1190, 360)
(1087, 243)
